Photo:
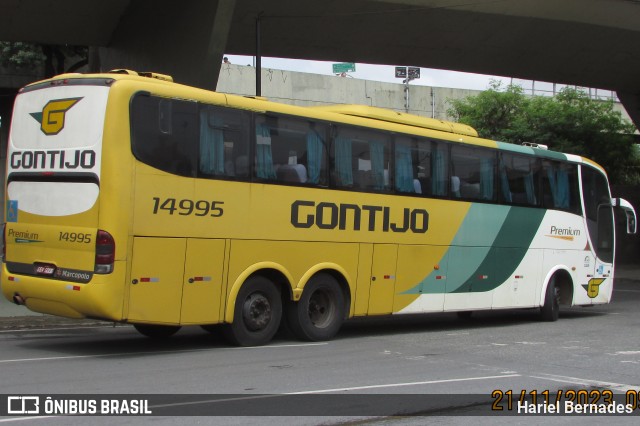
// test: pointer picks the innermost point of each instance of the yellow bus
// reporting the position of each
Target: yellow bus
(133, 199)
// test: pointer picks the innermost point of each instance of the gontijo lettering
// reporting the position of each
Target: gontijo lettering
(53, 159)
(325, 215)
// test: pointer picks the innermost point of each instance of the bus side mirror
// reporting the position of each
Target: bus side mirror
(629, 211)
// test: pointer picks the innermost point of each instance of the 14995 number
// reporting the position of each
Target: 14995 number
(188, 207)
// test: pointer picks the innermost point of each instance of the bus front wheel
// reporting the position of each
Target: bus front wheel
(550, 311)
(257, 314)
(320, 312)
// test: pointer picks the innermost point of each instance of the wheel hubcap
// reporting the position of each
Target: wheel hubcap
(321, 309)
(256, 312)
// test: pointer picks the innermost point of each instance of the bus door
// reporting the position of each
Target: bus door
(176, 280)
(383, 279)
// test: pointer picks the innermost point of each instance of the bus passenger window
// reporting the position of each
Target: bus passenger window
(361, 159)
(519, 177)
(474, 170)
(420, 166)
(290, 150)
(560, 186)
(223, 143)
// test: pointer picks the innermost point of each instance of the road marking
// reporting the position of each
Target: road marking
(61, 358)
(586, 382)
(19, 419)
(392, 385)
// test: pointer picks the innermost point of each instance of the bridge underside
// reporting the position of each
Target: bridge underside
(590, 43)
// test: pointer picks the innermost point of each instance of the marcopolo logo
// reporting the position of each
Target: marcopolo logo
(53, 114)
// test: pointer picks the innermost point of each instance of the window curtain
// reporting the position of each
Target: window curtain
(529, 187)
(486, 178)
(439, 172)
(562, 182)
(264, 158)
(211, 143)
(314, 156)
(559, 184)
(404, 169)
(344, 167)
(377, 164)
(504, 182)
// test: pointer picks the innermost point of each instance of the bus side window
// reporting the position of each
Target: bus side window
(560, 186)
(518, 178)
(223, 143)
(291, 150)
(474, 171)
(165, 133)
(361, 159)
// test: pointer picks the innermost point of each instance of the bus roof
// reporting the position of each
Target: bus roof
(391, 116)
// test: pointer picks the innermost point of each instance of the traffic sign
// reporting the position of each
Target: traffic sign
(344, 67)
(408, 72)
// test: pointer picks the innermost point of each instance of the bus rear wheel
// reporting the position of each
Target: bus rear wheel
(320, 312)
(157, 331)
(257, 314)
(550, 311)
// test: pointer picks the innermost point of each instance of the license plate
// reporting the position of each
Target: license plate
(44, 269)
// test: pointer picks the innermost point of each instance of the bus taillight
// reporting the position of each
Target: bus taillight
(105, 252)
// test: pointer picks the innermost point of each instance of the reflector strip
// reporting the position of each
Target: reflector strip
(483, 277)
(73, 287)
(440, 277)
(389, 277)
(149, 280)
(14, 279)
(202, 278)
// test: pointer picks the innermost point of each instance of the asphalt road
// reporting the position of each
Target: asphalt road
(426, 356)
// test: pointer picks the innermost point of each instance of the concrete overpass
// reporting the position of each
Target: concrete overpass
(594, 43)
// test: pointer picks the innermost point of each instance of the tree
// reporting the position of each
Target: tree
(53, 59)
(570, 122)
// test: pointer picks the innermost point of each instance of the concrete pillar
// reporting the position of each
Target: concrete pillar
(183, 39)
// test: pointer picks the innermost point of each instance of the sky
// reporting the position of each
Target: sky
(385, 73)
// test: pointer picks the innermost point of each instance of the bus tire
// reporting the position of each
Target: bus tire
(257, 314)
(550, 311)
(157, 331)
(319, 313)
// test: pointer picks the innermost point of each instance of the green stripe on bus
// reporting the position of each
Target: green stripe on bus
(508, 250)
(488, 247)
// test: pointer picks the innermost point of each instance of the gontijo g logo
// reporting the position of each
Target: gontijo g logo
(52, 117)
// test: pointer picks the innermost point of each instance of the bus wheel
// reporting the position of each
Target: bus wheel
(157, 331)
(320, 312)
(257, 314)
(550, 311)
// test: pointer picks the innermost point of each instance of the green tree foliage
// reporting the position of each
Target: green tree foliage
(51, 59)
(21, 55)
(570, 122)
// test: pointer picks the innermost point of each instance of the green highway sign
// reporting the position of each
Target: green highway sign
(344, 67)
